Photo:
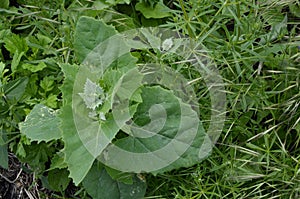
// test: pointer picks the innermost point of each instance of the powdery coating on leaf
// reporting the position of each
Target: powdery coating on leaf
(93, 95)
(42, 124)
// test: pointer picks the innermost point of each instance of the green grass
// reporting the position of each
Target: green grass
(257, 156)
(255, 45)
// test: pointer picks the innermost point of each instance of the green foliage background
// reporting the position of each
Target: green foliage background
(255, 45)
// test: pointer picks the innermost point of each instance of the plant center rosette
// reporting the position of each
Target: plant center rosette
(141, 117)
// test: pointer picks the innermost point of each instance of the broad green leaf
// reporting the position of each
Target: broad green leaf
(100, 185)
(95, 135)
(200, 148)
(70, 72)
(15, 89)
(89, 33)
(77, 157)
(98, 55)
(160, 10)
(42, 124)
(3, 150)
(74, 149)
(175, 137)
(58, 179)
(156, 111)
(94, 49)
(34, 68)
(120, 176)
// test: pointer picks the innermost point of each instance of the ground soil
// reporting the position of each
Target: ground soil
(16, 183)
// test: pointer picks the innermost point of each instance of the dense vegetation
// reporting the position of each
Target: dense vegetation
(254, 44)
